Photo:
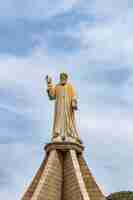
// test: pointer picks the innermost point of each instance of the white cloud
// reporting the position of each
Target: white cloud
(109, 41)
(40, 10)
(17, 167)
(31, 9)
(107, 134)
(105, 9)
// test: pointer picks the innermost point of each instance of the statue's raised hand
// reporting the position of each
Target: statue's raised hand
(48, 79)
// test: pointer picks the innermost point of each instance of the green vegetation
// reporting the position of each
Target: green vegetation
(124, 195)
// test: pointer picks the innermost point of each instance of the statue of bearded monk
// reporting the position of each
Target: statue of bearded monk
(64, 128)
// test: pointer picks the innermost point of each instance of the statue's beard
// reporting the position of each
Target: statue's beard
(63, 83)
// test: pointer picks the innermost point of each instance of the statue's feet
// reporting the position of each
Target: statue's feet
(63, 138)
(79, 141)
(59, 138)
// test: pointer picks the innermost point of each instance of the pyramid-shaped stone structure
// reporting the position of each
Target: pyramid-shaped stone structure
(63, 175)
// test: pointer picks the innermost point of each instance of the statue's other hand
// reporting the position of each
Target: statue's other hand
(74, 104)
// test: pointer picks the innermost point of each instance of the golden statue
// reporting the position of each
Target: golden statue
(64, 94)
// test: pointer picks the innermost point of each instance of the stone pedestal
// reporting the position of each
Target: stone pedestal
(64, 146)
(63, 175)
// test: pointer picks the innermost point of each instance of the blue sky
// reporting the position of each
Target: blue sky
(93, 42)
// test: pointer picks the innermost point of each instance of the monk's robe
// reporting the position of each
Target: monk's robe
(64, 116)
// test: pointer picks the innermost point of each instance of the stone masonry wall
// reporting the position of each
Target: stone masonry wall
(50, 184)
(28, 194)
(71, 190)
(92, 188)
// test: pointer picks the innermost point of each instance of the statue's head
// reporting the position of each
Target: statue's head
(63, 78)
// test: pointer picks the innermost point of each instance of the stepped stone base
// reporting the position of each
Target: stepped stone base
(63, 175)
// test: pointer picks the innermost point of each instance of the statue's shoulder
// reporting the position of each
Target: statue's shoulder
(57, 86)
(69, 85)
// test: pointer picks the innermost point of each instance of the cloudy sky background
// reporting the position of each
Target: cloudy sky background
(92, 41)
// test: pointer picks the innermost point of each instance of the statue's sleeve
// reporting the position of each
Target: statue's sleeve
(73, 92)
(74, 98)
(51, 91)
